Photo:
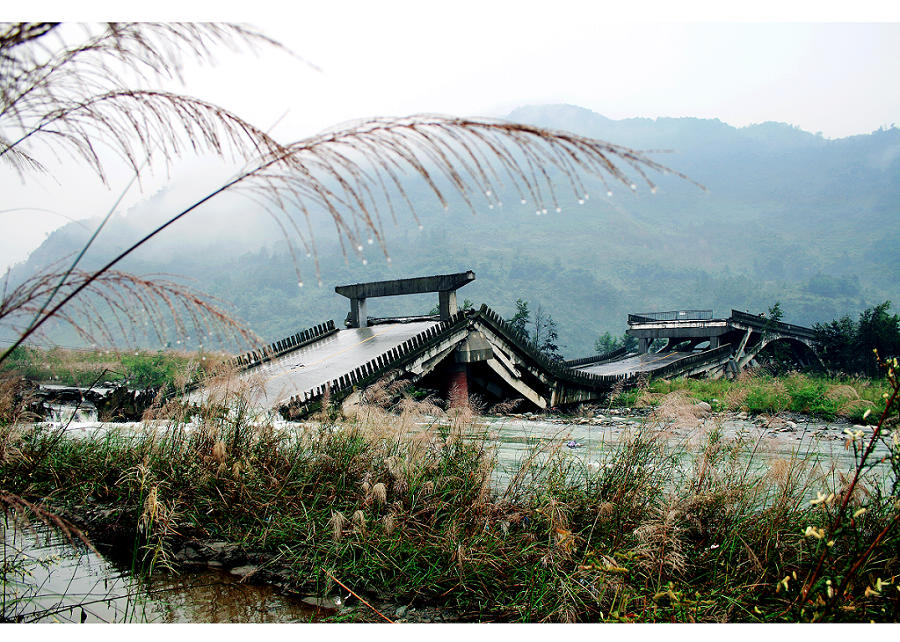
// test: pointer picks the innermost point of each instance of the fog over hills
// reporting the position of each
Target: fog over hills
(787, 216)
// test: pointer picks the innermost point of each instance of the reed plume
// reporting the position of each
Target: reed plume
(73, 94)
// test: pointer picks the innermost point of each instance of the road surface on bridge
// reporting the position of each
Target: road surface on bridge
(639, 363)
(329, 358)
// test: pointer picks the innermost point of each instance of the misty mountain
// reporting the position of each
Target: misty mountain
(785, 215)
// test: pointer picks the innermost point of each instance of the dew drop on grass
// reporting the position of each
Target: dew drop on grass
(421, 227)
(365, 262)
(609, 193)
(544, 211)
(587, 196)
(490, 206)
(388, 259)
(653, 189)
(581, 201)
(633, 186)
(359, 248)
(558, 210)
(370, 241)
(487, 192)
(523, 201)
(299, 284)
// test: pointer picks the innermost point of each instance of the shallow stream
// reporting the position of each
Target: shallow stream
(53, 578)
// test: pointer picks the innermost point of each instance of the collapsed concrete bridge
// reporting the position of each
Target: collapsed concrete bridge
(461, 351)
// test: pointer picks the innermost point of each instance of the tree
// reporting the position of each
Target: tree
(606, 343)
(540, 333)
(544, 335)
(63, 91)
(878, 332)
(519, 320)
(849, 346)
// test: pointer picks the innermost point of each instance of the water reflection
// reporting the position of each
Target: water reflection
(49, 578)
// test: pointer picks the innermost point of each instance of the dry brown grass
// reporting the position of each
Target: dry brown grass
(678, 410)
(660, 548)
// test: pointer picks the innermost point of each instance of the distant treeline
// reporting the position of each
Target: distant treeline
(851, 346)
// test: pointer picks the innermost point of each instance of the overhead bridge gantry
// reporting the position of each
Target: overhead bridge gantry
(445, 285)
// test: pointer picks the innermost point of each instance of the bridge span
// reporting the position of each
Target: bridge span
(463, 351)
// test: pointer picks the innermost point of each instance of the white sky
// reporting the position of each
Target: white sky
(795, 64)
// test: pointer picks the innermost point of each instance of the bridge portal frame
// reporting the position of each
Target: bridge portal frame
(445, 285)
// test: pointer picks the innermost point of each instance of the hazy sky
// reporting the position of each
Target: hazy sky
(485, 58)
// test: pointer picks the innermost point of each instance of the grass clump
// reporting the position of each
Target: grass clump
(404, 505)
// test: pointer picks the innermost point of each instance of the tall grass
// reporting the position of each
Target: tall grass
(400, 503)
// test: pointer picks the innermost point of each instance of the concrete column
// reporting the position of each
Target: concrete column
(358, 316)
(713, 342)
(447, 303)
(458, 386)
(643, 345)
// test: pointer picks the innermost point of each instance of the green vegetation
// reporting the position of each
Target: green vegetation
(540, 331)
(854, 347)
(607, 343)
(135, 369)
(389, 507)
(816, 395)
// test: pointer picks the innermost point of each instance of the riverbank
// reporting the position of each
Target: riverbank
(402, 508)
(821, 396)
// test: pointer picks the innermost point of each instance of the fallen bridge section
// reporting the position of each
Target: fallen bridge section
(470, 351)
(748, 334)
(476, 350)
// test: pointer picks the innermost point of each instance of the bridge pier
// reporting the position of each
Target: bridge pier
(458, 386)
(447, 304)
(358, 316)
(644, 345)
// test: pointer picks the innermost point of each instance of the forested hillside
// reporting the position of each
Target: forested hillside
(786, 216)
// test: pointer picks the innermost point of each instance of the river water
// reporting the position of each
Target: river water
(51, 578)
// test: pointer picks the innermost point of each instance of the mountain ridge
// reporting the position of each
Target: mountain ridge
(787, 215)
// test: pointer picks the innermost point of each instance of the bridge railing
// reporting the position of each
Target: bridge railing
(288, 344)
(596, 359)
(671, 315)
(764, 323)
